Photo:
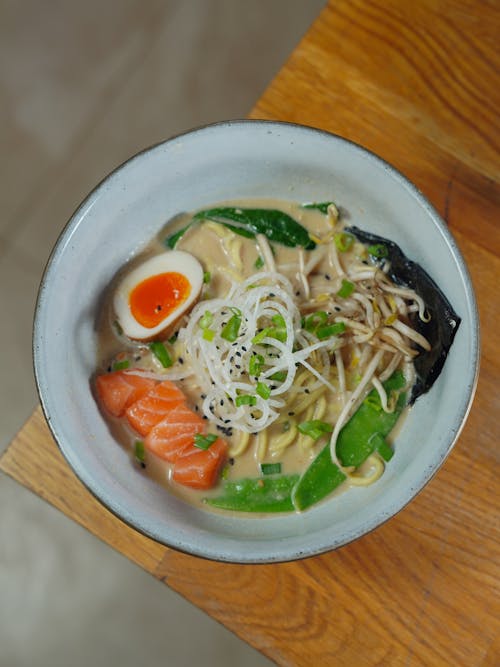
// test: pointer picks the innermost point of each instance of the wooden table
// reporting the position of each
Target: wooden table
(416, 82)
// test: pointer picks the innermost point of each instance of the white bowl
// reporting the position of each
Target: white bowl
(230, 160)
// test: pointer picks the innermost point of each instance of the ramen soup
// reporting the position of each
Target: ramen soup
(260, 355)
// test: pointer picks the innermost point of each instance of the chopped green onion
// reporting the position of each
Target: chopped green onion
(208, 334)
(320, 206)
(139, 451)
(207, 277)
(346, 289)
(261, 335)
(256, 363)
(204, 441)
(263, 390)
(259, 262)
(232, 328)
(246, 399)
(330, 330)
(279, 321)
(379, 250)
(279, 376)
(235, 311)
(315, 428)
(206, 320)
(173, 338)
(270, 468)
(121, 365)
(278, 333)
(343, 241)
(160, 352)
(316, 319)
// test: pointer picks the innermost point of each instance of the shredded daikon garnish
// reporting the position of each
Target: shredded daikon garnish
(245, 350)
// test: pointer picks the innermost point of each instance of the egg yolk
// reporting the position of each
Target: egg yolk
(157, 297)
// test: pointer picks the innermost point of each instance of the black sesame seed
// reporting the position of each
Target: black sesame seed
(290, 414)
(221, 402)
(203, 395)
(227, 421)
(327, 276)
(237, 366)
(109, 369)
(297, 293)
(231, 461)
(238, 354)
(243, 348)
(181, 360)
(306, 390)
(205, 417)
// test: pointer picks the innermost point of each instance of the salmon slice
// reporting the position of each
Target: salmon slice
(118, 390)
(154, 406)
(170, 437)
(200, 468)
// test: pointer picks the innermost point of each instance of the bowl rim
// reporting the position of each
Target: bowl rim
(402, 180)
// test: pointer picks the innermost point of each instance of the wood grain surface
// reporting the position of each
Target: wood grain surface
(418, 83)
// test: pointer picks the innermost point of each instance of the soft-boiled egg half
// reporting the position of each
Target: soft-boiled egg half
(151, 299)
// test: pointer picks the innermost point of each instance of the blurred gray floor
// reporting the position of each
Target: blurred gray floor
(83, 86)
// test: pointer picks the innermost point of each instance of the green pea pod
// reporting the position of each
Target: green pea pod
(321, 478)
(258, 494)
(276, 225)
(356, 440)
(364, 433)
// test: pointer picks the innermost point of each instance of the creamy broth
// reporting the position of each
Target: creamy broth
(230, 258)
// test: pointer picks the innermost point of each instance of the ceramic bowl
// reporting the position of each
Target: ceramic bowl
(241, 159)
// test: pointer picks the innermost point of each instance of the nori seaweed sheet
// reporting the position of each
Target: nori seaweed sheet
(443, 325)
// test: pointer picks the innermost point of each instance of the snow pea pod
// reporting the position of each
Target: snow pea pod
(356, 440)
(364, 433)
(276, 225)
(256, 494)
(321, 478)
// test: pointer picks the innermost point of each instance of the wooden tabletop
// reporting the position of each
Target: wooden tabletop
(418, 83)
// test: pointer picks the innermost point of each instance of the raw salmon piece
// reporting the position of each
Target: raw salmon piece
(154, 406)
(199, 468)
(170, 437)
(118, 390)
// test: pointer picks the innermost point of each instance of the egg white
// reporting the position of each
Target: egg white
(172, 261)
